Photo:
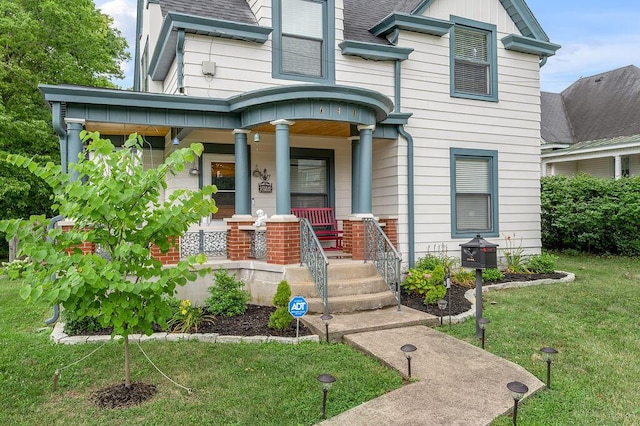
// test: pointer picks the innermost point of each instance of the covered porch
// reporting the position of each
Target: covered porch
(270, 150)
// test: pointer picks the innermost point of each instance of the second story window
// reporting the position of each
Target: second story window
(302, 40)
(473, 60)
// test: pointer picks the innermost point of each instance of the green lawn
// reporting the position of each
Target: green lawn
(595, 324)
(233, 384)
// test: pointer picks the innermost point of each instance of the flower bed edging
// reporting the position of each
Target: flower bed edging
(60, 337)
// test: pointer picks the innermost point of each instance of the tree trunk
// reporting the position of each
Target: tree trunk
(13, 249)
(127, 363)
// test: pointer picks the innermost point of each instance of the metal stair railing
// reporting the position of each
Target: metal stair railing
(312, 255)
(385, 257)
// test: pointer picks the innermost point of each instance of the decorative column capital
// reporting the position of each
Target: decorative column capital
(80, 121)
(353, 138)
(362, 127)
(282, 121)
(241, 131)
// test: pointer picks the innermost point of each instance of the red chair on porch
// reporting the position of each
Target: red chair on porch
(324, 223)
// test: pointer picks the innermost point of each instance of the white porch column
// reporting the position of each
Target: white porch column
(618, 166)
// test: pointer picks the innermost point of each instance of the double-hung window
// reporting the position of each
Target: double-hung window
(474, 193)
(473, 60)
(303, 40)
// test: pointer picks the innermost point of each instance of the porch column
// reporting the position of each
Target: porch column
(618, 166)
(553, 169)
(283, 164)
(242, 180)
(355, 171)
(74, 144)
(365, 159)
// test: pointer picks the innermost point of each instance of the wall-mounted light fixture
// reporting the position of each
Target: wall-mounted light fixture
(256, 137)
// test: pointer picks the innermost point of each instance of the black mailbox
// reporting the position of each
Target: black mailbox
(479, 254)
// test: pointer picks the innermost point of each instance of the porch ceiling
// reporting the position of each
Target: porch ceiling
(126, 129)
(313, 127)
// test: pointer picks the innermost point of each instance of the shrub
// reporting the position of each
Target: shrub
(464, 278)
(492, 275)
(15, 269)
(428, 263)
(281, 318)
(590, 214)
(187, 318)
(426, 282)
(75, 326)
(544, 263)
(227, 296)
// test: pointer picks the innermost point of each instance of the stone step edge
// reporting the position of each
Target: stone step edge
(60, 337)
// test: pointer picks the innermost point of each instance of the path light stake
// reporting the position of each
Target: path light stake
(325, 320)
(547, 354)
(482, 323)
(407, 349)
(442, 305)
(518, 390)
(326, 380)
(447, 282)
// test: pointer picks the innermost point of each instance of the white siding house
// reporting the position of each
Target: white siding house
(426, 112)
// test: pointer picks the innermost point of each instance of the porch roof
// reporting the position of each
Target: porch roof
(152, 110)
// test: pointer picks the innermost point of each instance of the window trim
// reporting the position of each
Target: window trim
(492, 156)
(492, 51)
(320, 154)
(328, 47)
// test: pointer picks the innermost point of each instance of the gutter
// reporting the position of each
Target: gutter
(180, 60)
(61, 131)
(410, 176)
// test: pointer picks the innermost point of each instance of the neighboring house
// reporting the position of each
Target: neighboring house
(423, 114)
(593, 126)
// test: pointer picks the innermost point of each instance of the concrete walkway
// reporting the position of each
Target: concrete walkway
(458, 383)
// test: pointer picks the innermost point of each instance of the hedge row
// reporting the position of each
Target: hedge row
(591, 214)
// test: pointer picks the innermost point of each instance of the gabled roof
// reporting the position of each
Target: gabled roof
(229, 10)
(603, 106)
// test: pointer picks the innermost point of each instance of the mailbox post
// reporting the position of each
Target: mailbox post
(479, 254)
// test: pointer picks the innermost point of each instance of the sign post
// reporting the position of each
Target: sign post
(298, 308)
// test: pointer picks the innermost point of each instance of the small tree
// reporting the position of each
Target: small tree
(227, 295)
(281, 318)
(117, 208)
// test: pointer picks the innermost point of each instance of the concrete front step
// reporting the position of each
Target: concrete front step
(353, 303)
(354, 286)
(335, 272)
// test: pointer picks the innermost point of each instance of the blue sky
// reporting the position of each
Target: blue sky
(595, 35)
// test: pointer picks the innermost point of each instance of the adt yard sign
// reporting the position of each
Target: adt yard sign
(298, 307)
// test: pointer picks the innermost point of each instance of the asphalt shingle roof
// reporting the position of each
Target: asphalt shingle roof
(228, 10)
(360, 15)
(602, 106)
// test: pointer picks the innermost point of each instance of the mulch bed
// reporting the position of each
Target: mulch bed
(119, 396)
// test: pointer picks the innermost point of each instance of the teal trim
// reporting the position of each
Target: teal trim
(492, 157)
(418, 24)
(242, 175)
(74, 146)
(411, 212)
(396, 118)
(385, 131)
(421, 7)
(137, 56)
(324, 154)
(328, 46)
(492, 50)
(156, 142)
(375, 52)
(283, 170)
(524, 19)
(397, 85)
(61, 131)
(164, 54)
(180, 60)
(522, 44)
(355, 173)
(365, 172)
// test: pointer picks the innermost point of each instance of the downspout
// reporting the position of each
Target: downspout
(136, 55)
(180, 60)
(61, 131)
(543, 60)
(56, 308)
(410, 189)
